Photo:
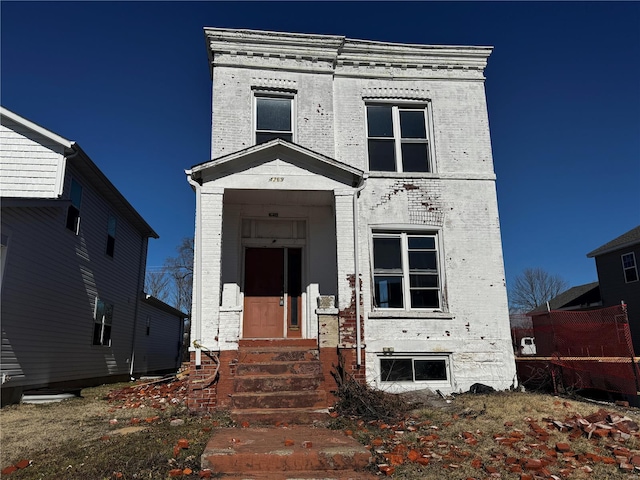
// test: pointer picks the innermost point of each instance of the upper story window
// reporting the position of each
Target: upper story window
(629, 267)
(73, 212)
(405, 271)
(398, 138)
(111, 236)
(274, 118)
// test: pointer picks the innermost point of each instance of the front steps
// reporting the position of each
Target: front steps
(298, 452)
(278, 381)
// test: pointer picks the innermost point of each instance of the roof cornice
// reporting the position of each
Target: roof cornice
(338, 51)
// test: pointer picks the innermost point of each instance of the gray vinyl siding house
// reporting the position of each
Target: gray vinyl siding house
(73, 263)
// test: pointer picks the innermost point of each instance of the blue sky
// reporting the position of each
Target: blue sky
(129, 82)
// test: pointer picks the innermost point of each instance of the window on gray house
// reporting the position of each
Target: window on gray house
(397, 139)
(629, 267)
(111, 235)
(273, 119)
(405, 271)
(73, 212)
(103, 318)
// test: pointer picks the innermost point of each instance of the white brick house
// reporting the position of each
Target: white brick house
(336, 159)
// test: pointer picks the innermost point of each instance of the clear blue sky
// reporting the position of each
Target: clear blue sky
(129, 82)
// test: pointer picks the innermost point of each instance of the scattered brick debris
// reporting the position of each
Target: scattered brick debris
(159, 394)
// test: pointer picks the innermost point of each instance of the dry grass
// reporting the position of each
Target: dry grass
(485, 416)
(74, 439)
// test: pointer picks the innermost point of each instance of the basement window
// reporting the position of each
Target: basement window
(414, 369)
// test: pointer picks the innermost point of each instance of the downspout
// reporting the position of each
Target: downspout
(141, 272)
(356, 283)
(196, 313)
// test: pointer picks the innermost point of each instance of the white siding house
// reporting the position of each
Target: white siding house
(73, 262)
(333, 160)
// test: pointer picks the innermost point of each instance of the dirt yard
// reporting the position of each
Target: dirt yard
(146, 433)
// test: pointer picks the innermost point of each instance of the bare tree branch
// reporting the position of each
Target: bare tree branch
(533, 287)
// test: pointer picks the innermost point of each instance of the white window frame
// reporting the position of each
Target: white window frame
(446, 357)
(626, 267)
(404, 252)
(277, 94)
(396, 108)
(105, 320)
(78, 207)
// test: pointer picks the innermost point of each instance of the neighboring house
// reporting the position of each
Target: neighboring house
(576, 298)
(349, 207)
(618, 274)
(73, 263)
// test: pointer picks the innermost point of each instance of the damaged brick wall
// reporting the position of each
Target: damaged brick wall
(348, 329)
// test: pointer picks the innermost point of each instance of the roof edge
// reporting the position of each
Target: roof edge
(5, 112)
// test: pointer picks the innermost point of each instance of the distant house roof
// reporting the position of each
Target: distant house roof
(79, 158)
(632, 237)
(156, 302)
(580, 296)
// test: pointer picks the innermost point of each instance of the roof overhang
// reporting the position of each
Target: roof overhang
(277, 149)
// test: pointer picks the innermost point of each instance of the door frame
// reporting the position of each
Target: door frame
(284, 243)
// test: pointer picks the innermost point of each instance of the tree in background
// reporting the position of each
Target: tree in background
(534, 287)
(173, 284)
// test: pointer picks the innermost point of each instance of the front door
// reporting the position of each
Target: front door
(272, 293)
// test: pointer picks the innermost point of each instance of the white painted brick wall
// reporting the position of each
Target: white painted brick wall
(457, 200)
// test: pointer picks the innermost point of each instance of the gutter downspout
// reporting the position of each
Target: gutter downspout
(196, 313)
(356, 283)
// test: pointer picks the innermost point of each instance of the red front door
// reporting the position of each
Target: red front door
(272, 298)
(264, 293)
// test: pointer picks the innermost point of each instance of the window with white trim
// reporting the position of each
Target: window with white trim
(273, 117)
(405, 271)
(398, 138)
(111, 236)
(425, 368)
(73, 212)
(629, 267)
(103, 319)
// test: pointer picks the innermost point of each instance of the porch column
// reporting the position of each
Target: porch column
(210, 224)
(345, 266)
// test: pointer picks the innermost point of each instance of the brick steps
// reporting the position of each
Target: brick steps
(278, 381)
(274, 416)
(285, 453)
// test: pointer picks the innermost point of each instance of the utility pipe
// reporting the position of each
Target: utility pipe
(196, 320)
(356, 262)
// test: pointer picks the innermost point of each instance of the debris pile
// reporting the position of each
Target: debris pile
(159, 394)
(544, 451)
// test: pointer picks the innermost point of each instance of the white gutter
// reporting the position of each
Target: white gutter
(196, 310)
(356, 283)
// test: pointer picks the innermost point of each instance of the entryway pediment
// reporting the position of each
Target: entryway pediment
(277, 165)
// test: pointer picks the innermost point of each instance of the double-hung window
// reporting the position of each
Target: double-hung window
(274, 118)
(73, 212)
(103, 318)
(629, 267)
(405, 271)
(398, 138)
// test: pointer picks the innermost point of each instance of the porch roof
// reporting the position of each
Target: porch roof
(279, 148)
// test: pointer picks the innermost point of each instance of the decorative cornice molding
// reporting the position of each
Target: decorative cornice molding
(399, 93)
(341, 51)
(274, 84)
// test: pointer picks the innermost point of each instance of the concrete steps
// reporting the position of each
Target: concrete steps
(298, 452)
(278, 381)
